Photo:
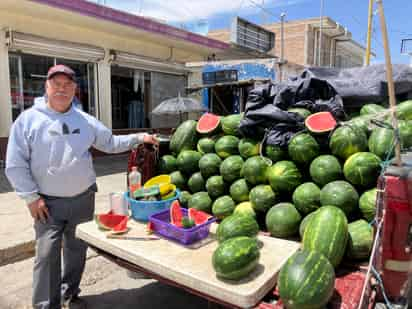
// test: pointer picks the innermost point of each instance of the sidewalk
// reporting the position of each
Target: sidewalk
(16, 228)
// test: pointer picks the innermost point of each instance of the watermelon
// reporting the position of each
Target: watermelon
(301, 111)
(227, 146)
(209, 165)
(230, 124)
(303, 148)
(361, 123)
(254, 170)
(216, 186)
(208, 123)
(306, 197)
(245, 208)
(320, 122)
(184, 198)
(178, 179)
(327, 233)
(404, 110)
(196, 183)
(367, 204)
(108, 221)
(121, 228)
(346, 141)
(284, 176)
(206, 145)
(381, 142)
(306, 281)
(275, 153)
(198, 216)
(360, 240)
(239, 190)
(362, 169)
(237, 225)
(282, 220)
(184, 138)
(167, 164)
(405, 132)
(325, 169)
(230, 168)
(176, 214)
(340, 194)
(188, 161)
(248, 147)
(236, 258)
(201, 201)
(262, 197)
(223, 207)
(370, 109)
(304, 224)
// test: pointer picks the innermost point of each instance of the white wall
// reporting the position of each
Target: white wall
(5, 97)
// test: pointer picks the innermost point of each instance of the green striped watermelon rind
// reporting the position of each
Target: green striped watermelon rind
(231, 168)
(360, 240)
(283, 220)
(262, 197)
(306, 197)
(306, 280)
(284, 176)
(255, 170)
(223, 207)
(236, 258)
(327, 233)
(341, 194)
(303, 148)
(237, 225)
(362, 169)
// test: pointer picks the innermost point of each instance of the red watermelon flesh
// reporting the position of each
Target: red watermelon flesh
(198, 216)
(176, 214)
(207, 123)
(109, 221)
(121, 227)
(320, 122)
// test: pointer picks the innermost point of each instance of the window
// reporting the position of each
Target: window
(28, 75)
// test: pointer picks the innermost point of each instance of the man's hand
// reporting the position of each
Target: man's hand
(38, 210)
(150, 139)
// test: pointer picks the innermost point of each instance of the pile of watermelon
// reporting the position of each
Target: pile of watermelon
(324, 192)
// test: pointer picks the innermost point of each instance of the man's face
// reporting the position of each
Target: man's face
(60, 91)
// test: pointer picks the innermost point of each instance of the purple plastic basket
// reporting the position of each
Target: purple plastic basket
(162, 226)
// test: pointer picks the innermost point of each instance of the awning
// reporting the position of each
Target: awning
(239, 83)
(43, 46)
(143, 63)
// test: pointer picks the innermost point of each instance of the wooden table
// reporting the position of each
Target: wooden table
(190, 268)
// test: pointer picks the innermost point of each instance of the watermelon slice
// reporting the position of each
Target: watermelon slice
(108, 221)
(121, 228)
(176, 214)
(198, 216)
(208, 123)
(320, 122)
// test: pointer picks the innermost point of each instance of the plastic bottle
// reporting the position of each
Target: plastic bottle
(135, 180)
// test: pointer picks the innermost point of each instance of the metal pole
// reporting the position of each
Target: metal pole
(320, 33)
(389, 76)
(369, 37)
(282, 45)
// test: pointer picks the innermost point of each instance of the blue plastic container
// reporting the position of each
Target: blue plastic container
(142, 210)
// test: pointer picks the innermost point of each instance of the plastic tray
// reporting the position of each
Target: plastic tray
(142, 210)
(162, 226)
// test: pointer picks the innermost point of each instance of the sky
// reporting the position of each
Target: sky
(352, 14)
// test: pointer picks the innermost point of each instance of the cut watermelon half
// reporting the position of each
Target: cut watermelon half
(109, 220)
(198, 216)
(121, 228)
(208, 123)
(320, 122)
(176, 214)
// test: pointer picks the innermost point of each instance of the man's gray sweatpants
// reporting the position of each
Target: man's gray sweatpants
(50, 284)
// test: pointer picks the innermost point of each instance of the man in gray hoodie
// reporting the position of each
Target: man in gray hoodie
(50, 167)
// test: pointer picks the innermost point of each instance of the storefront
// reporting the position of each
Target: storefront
(126, 65)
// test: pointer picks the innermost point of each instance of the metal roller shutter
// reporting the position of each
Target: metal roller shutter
(37, 45)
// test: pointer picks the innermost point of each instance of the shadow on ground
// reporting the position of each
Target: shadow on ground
(104, 166)
(153, 295)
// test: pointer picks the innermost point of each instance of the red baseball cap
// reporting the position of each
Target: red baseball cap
(61, 69)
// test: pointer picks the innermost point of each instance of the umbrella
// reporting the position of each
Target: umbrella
(178, 106)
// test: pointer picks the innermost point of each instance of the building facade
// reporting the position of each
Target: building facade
(302, 40)
(126, 64)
